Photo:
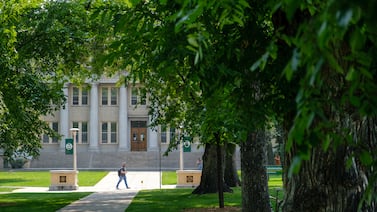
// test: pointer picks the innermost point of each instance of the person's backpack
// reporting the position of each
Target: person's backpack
(119, 172)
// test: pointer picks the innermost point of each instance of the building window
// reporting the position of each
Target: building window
(138, 97)
(50, 140)
(109, 133)
(84, 132)
(45, 139)
(105, 96)
(82, 135)
(80, 96)
(114, 96)
(172, 135)
(109, 96)
(75, 95)
(134, 96)
(84, 97)
(113, 132)
(163, 135)
(167, 135)
(104, 133)
(55, 127)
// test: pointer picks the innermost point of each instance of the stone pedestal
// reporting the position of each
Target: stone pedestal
(188, 178)
(63, 180)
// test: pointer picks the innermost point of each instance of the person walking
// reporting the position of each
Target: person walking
(122, 176)
(199, 164)
(277, 159)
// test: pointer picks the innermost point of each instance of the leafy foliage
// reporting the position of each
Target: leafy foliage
(43, 44)
(333, 48)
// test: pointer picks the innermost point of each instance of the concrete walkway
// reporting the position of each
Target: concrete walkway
(106, 197)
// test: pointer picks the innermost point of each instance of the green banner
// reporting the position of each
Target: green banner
(187, 144)
(68, 146)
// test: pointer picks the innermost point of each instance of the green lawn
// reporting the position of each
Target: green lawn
(42, 178)
(179, 199)
(147, 200)
(169, 178)
(38, 202)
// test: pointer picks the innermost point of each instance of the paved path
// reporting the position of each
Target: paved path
(106, 197)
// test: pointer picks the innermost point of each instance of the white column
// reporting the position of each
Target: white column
(181, 159)
(74, 133)
(93, 134)
(64, 119)
(123, 119)
(153, 138)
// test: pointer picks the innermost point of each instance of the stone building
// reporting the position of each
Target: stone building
(113, 122)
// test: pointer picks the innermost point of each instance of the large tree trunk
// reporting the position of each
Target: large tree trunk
(255, 195)
(307, 191)
(220, 172)
(230, 174)
(208, 182)
(325, 182)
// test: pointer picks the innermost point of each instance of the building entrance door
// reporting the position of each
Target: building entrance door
(138, 136)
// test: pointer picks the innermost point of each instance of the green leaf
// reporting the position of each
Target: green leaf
(333, 62)
(366, 158)
(295, 61)
(355, 100)
(309, 120)
(344, 17)
(326, 143)
(357, 39)
(193, 41)
(295, 166)
(291, 7)
(261, 62)
(288, 71)
(351, 75)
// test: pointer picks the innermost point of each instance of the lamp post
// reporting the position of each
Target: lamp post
(180, 148)
(159, 158)
(74, 133)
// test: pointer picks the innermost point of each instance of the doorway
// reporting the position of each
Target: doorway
(138, 136)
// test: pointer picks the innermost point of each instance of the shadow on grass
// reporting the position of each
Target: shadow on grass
(38, 201)
(13, 180)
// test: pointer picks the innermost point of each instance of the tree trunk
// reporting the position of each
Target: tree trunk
(323, 183)
(326, 183)
(270, 154)
(220, 173)
(230, 174)
(255, 196)
(208, 182)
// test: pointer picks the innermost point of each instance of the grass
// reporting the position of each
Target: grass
(146, 200)
(42, 178)
(169, 178)
(7, 189)
(179, 199)
(38, 201)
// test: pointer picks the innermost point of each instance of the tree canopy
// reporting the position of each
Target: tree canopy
(228, 67)
(43, 45)
(309, 65)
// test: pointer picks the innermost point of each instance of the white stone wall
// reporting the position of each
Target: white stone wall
(94, 154)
